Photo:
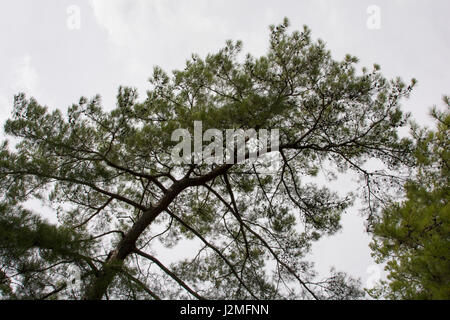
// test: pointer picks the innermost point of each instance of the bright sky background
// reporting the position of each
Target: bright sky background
(119, 42)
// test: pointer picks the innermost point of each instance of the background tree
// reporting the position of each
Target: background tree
(118, 195)
(413, 236)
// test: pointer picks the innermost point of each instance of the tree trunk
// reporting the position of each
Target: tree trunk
(100, 284)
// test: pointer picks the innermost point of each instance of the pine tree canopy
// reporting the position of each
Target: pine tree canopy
(121, 201)
(413, 236)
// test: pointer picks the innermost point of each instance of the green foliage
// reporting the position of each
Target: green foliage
(110, 177)
(29, 244)
(413, 236)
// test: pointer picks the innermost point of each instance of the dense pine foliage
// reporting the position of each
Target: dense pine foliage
(119, 197)
(413, 236)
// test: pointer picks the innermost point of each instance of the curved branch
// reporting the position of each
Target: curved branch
(142, 285)
(233, 270)
(168, 272)
(268, 247)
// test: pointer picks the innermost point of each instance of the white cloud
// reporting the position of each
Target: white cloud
(110, 16)
(130, 21)
(26, 77)
(144, 33)
(4, 107)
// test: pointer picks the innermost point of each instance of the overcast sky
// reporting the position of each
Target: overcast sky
(46, 54)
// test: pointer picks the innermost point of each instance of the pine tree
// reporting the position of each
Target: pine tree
(413, 236)
(119, 196)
